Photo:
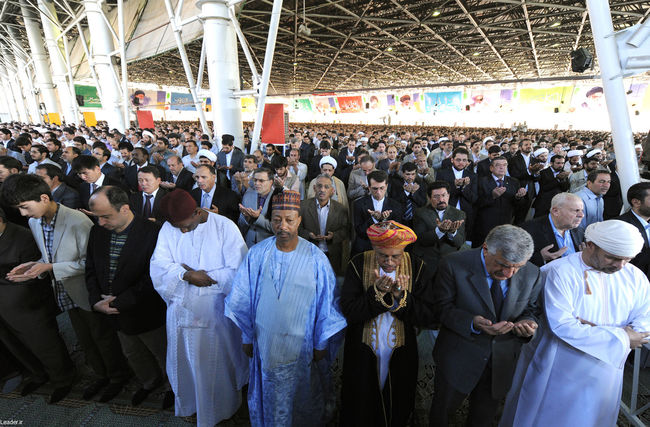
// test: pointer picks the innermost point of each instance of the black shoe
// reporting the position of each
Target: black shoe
(112, 390)
(94, 388)
(168, 399)
(140, 396)
(59, 394)
(31, 387)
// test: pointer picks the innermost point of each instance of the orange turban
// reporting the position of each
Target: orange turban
(390, 234)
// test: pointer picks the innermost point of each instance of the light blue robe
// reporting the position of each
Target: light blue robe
(284, 304)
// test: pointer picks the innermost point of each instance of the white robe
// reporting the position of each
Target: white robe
(572, 374)
(205, 362)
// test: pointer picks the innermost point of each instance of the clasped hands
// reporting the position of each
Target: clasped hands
(197, 277)
(380, 216)
(461, 181)
(386, 284)
(28, 271)
(412, 187)
(319, 237)
(637, 339)
(524, 328)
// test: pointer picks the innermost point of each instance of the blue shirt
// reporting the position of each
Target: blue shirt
(490, 282)
(644, 223)
(594, 206)
(562, 242)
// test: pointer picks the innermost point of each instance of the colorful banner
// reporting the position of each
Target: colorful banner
(89, 118)
(324, 104)
(410, 102)
(443, 102)
(144, 98)
(302, 104)
(248, 105)
(54, 118)
(374, 102)
(181, 101)
(89, 96)
(547, 99)
(350, 104)
(161, 100)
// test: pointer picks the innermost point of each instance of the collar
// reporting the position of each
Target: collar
(100, 181)
(56, 213)
(643, 222)
(496, 178)
(211, 192)
(319, 207)
(487, 275)
(555, 230)
(153, 194)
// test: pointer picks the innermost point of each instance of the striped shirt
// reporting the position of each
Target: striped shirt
(114, 251)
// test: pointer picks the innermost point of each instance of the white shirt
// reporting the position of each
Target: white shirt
(98, 183)
(384, 345)
(377, 206)
(323, 213)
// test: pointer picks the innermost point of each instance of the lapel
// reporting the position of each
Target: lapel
(59, 228)
(477, 278)
(514, 289)
(312, 213)
(132, 240)
(332, 216)
(640, 227)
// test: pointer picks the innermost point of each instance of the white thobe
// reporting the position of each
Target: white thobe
(571, 374)
(205, 363)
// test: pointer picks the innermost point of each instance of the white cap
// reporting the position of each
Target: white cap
(489, 138)
(364, 138)
(207, 154)
(327, 160)
(149, 134)
(540, 151)
(443, 139)
(574, 153)
(594, 152)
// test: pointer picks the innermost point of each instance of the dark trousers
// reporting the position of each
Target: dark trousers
(29, 331)
(100, 344)
(446, 400)
(147, 355)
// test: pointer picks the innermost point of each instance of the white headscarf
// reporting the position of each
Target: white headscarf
(617, 237)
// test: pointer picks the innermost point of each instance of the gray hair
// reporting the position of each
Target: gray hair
(561, 198)
(514, 243)
(326, 176)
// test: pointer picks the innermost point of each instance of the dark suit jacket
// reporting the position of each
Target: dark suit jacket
(236, 161)
(491, 211)
(396, 193)
(226, 200)
(467, 194)
(337, 222)
(613, 200)
(483, 167)
(109, 170)
(84, 189)
(67, 196)
(71, 178)
(362, 220)
(136, 202)
(549, 186)
(428, 246)
(542, 232)
(461, 292)
(141, 308)
(517, 169)
(642, 260)
(185, 180)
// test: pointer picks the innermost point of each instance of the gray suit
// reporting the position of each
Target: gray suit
(259, 229)
(69, 253)
(429, 246)
(355, 184)
(462, 357)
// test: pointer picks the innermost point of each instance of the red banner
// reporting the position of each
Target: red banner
(350, 104)
(145, 119)
(273, 125)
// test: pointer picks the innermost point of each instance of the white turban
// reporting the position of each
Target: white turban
(363, 138)
(592, 153)
(207, 154)
(489, 138)
(149, 134)
(327, 160)
(574, 153)
(540, 151)
(617, 237)
(443, 139)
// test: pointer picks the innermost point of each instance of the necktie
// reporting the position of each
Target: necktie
(146, 211)
(93, 187)
(599, 208)
(497, 297)
(499, 183)
(408, 215)
(174, 178)
(205, 201)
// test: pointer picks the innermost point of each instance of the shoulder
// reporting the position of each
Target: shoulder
(563, 267)
(456, 212)
(74, 216)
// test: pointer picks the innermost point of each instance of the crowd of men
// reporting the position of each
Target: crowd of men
(199, 267)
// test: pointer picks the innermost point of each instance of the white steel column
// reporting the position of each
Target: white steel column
(223, 69)
(610, 70)
(14, 84)
(9, 97)
(57, 62)
(101, 40)
(23, 77)
(41, 67)
(266, 71)
(176, 28)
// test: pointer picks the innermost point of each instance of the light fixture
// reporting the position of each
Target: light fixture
(476, 53)
(435, 13)
(389, 49)
(556, 24)
(295, 64)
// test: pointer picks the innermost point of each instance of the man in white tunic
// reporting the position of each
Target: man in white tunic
(597, 308)
(196, 257)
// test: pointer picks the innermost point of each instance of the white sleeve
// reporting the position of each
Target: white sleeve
(233, 252)
(165, 273)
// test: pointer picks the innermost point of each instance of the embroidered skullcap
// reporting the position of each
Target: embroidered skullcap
(327, 160)
(617, 237)
(574, 153)
(207, 154)
(592, 153)
(288, 200)
(177, 206)
(540, 151)
(390, 234)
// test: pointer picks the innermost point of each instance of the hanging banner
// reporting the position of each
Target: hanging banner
(144, 98)
(390, 101)
(374, 102)
(547, 99)
(87, 96)
(350, 104)
(145, 119)
(89, 118)
(302, 104)
(322, 104)
(54, 118)
(447, 102)
(248, 105)
(161, 100)
(181, 101)
(274, 125)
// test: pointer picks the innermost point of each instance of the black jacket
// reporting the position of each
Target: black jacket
(642, 260)
(136, 202)
(362, 220)
(141, 308)
(226, 200)
(542, 233)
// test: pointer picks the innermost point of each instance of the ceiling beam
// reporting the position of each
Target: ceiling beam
(530, 35)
